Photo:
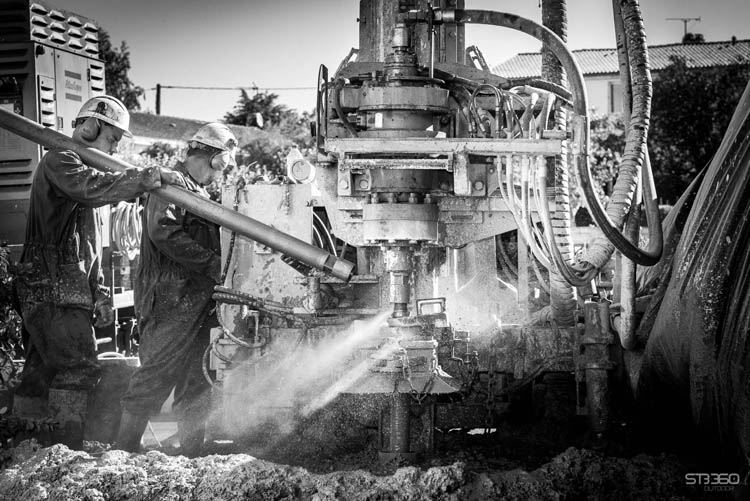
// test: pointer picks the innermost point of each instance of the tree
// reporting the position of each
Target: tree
(607, 146)
(690, 112)
(274, 118)
(263, 159)
(160, 150)
(264, 103)
(693, 38)
(116, 67)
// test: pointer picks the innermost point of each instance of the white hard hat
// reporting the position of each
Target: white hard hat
(109, 110)
(216, 135)
(219, 136)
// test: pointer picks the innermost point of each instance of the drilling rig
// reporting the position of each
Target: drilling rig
(447, 187)
(428, 170)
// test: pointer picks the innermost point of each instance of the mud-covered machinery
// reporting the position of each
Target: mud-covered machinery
(430, 170)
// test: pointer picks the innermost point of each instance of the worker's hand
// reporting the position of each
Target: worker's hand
(168, 176)
(104, 315)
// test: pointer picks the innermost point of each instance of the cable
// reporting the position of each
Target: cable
(192, 87)
(126, 228)
(509, 196)
(323, 229)
(499, 103)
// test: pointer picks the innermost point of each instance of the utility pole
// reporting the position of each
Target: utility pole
(158, 99)
(685, 21)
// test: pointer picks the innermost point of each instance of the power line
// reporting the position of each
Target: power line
(189, 87)
(253, 87)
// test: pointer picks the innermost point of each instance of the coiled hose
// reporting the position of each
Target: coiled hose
(126, 228)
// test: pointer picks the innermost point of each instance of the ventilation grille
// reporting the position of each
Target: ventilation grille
(96, 78)
(47, 108)
(38, 22)
(17, 162)
(14, 21)
(15, 59)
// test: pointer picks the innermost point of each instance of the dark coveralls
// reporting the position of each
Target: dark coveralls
(59, 276)
(180, 264)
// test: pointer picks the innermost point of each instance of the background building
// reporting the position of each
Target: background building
(601, 70)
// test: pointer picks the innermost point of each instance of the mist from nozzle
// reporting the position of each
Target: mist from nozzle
(270, 395)
(346, 381)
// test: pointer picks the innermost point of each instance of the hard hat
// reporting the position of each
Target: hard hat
(221, 137)
(216, 135)
(109, 110)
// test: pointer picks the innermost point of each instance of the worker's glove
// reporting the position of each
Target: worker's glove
(104, 315)
(168, 176)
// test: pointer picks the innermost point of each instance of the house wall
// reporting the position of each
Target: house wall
(604, 94)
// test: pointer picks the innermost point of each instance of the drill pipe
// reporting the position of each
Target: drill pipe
(207, 209)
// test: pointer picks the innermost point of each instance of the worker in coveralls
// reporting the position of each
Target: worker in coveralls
(180, 265)
(60, 281)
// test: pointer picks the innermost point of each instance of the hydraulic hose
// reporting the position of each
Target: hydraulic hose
(207, 209)
(577, 87)
(634, 159)
(636, 137)
(562, 294)
(545, 35)
(498, 104)
(632, 227)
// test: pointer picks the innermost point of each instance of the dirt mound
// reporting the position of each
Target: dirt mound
(56, 472)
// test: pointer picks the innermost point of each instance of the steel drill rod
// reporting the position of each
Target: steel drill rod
(207, 209)
(400, 429)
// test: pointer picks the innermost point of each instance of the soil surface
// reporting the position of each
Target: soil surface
(466, 467)
(333, 455)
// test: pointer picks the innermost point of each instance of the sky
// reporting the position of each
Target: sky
(278, 45)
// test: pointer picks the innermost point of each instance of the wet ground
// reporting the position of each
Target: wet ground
(333, 454)
(59, 473)
(511, 462)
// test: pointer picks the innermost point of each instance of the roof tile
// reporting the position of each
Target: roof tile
(604, 61)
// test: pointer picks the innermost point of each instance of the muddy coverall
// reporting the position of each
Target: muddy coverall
(59, 275)
(180, 264)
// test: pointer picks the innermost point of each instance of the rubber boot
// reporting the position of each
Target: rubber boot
(69, 408)
(191, 434)
(131, 430)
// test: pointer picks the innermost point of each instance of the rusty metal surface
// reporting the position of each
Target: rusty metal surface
(475, 299)
(255, 268)
(377, 17)
(411, 222)
(376, 98)
(427, 146)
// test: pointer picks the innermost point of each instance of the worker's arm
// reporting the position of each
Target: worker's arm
(165, 228)
(92, 187)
